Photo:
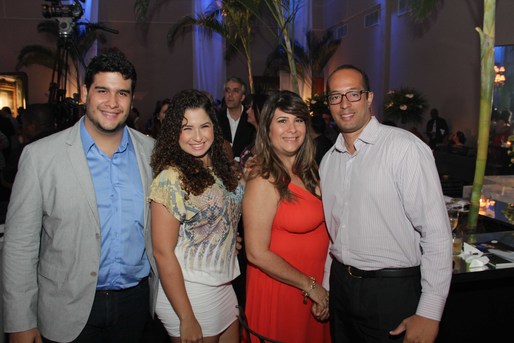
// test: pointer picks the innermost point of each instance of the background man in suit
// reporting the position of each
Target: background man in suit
(437, 129)
(233, 119)
(75, 266)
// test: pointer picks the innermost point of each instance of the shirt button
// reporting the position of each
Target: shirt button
(93, 274)
(97, 236)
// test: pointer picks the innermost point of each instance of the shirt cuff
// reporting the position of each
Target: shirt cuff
(431, 306)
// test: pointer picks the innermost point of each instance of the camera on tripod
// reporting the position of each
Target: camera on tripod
(66, 15)
(58, 10)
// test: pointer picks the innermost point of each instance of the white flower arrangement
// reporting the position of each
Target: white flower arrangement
(405, 105)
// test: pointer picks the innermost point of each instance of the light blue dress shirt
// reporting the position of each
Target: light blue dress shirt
(120, 202)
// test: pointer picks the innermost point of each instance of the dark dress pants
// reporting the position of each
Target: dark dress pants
(366, 309)
(117, 316)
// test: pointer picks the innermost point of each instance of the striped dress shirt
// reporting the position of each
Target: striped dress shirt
(384, 208)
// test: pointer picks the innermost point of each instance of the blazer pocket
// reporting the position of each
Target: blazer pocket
(49, 271)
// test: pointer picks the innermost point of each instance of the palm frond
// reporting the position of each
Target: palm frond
(254, 6)
(209, 22)
(141, 9)
(84, 42)
(321, 49)
(49, 26)
(277, 61)
(35, 54)
(422, 9)
(231, 51)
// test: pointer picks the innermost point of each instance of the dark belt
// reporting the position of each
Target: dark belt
(383, 273)
(108, 291)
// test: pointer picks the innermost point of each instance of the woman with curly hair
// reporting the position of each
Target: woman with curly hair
(285, 234)
(196, 205)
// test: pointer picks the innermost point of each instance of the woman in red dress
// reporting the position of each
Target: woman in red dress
(285, 234)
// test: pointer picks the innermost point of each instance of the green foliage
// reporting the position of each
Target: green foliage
(35, 54)
(277, 61)
(318, 104)
(405, 105)
(282, 14)
(141, 9)
(209, 21)
(422, 9)
(310, 60)
(321, 49)
(228, 18)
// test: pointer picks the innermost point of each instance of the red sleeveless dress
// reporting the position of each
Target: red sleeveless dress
(276, 310)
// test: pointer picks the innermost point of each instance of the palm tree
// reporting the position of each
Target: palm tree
(421, 9)
(235, 25)
(283, 13)
(310, 60)
(227, 18)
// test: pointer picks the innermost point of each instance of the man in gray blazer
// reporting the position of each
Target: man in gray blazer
(75, 267)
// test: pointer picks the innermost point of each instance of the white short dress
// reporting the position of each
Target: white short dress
(215, 308)
(205, 250)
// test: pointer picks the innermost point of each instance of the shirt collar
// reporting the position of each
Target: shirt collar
(368, 136)
(88, 141)
(230, 117)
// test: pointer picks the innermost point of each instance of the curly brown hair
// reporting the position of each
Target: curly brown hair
(268, 164)
(194, 176)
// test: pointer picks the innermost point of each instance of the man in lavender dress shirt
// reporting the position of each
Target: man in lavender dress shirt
(384, 208)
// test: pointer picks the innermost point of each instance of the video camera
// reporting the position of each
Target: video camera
(58, 10)
(65, 15)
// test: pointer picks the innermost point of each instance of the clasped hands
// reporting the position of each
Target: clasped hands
(320, 301)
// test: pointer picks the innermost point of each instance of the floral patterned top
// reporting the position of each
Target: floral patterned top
(206, 246)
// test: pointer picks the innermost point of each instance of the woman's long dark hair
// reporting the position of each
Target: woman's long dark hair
(268, 164)
(195, 177)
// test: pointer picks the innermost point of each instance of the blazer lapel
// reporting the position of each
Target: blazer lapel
(225, 125)
(80, 168)
(143, 162)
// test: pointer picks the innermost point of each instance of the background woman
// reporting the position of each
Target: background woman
(155, 124)
(253, 111)
(285, 234)
(196, 205)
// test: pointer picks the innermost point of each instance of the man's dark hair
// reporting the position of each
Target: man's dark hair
(7, 110)
(365, 78)
(113, 61)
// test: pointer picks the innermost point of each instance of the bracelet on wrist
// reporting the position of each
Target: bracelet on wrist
(312, 286)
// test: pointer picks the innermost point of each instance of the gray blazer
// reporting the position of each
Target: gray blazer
(51, 253)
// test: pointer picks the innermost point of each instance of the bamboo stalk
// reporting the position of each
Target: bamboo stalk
(486, 97)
